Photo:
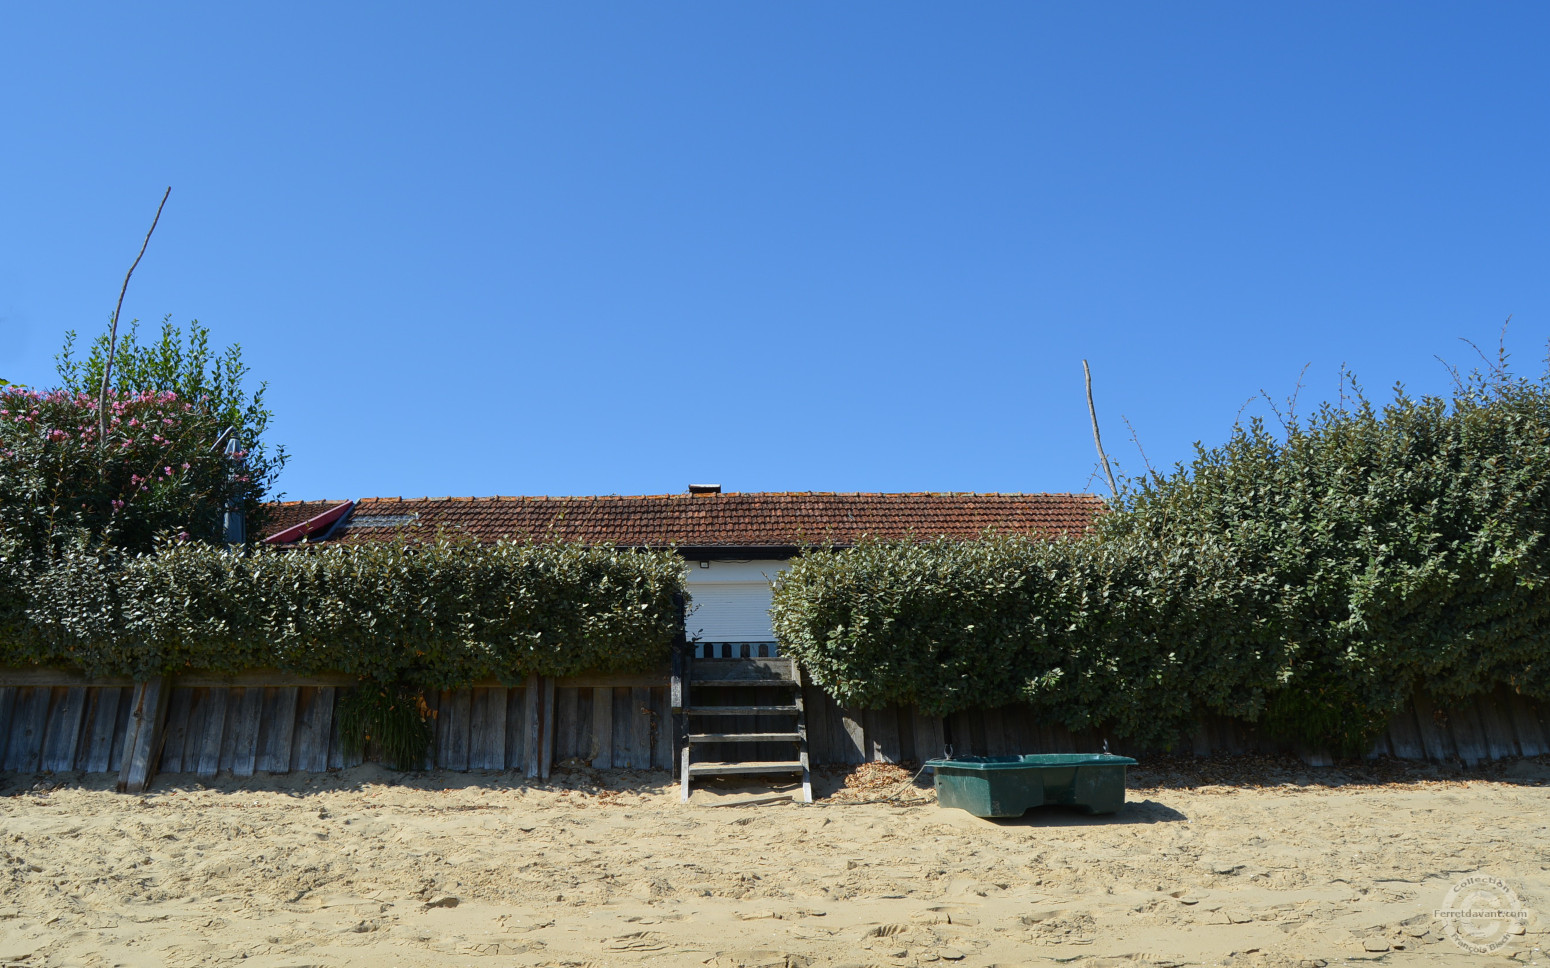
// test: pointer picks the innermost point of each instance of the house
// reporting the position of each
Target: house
(734, 543)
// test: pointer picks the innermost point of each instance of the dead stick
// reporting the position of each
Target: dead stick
(1093, 411)
(107, 369)
(768, 798)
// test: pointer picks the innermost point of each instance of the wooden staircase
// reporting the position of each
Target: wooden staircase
(745, 712)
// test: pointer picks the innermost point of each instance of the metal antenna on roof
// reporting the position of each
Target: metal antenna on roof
(1093, 411)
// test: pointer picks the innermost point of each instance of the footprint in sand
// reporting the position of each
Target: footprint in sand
(754, 959)
(637, 941)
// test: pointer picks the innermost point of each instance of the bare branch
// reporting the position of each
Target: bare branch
(1271, 403)
(1501, 348)
(1471, 344)
(1093, 412)
(1136, 439)
(1291, 402)
(107, 369)
(1453, 371)
(1237, 419)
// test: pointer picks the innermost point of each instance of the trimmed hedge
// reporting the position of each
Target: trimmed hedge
(1312, 583)
(1088, 632)
(438, 614)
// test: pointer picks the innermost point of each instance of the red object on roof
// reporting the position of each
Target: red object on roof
(282, 515)
(756, 520)
(310, 527)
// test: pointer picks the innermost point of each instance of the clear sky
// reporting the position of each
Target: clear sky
(616, 248)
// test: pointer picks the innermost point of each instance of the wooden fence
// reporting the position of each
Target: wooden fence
(264, 722)
(1502, 725)
(259, 722)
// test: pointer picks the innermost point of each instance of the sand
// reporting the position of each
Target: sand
(1245, 862)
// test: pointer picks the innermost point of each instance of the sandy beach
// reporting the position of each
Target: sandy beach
(1244, 861)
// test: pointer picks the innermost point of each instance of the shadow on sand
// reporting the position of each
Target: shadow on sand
(1135, 812)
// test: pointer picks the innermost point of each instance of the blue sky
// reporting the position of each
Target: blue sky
(615, 248)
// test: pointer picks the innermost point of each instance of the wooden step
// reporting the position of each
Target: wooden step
(742, 710)
(728, 769)
(716, 672)
(745, 737)
(738, 683)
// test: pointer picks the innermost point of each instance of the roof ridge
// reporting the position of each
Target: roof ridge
(493, 498)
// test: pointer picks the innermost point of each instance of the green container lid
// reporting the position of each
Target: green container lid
(1031, 759)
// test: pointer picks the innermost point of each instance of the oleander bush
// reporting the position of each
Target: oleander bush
(183, 443)
(1310, 581)
(437, 613)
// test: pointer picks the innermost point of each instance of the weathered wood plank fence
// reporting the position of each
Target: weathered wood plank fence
(1502, 725)
(261, 722)
(266, 722)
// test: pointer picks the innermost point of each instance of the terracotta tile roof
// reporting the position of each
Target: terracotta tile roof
(315, 528)
(720, 520)
(284, 515)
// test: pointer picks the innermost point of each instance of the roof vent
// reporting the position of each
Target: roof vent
(704, 488)
(358, 521)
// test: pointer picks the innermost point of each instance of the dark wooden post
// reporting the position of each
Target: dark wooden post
(532, 727)
(142, 742)
(546, 732)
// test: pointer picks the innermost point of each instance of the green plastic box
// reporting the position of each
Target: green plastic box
(1007, 786)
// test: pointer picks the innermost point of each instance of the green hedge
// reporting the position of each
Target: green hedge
(438, 614)
(1088, 632)
(1311, 581)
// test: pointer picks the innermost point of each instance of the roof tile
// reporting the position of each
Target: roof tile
(284, 515)
(729, 520)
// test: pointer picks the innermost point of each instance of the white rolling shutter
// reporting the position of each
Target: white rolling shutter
(733, 611)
